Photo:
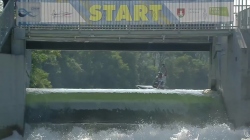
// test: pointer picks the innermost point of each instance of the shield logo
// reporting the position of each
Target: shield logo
(181, 12)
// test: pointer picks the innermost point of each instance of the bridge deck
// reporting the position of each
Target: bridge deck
(164, 23)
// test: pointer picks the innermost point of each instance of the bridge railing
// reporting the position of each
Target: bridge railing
(6, 21)
(125, 14)
(243, 21)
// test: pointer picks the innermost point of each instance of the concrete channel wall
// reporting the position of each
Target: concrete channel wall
(12, 92)
(232, 75)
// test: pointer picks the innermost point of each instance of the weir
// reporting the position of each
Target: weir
(131, 106)
(158, 26)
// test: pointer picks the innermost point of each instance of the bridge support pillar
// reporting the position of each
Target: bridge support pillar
(18, 43)
(13, 86)
(248, 71)
(28, 60)
(212, 71)
(232, 77)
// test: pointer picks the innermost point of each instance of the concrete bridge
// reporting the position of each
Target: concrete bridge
(222, 28)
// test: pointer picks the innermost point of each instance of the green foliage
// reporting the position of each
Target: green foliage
(110, 69)
(39, 77)
(187, 72)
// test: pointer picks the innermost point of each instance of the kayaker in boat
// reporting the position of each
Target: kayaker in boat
(160, 79)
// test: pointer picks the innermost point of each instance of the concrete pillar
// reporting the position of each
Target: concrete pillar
(221, 50)
(18, 47)
(218, 52)
(248, 51)
(28, 60)
(212, 71)
(244, 74)
(230, 78)
(12, 86)
(12, 97)
(18, 42)
(248, 68)
(234, 80)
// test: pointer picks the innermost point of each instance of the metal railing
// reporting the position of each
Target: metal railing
(243, 19)
(6, 21)
(125, 14)
(132, 14)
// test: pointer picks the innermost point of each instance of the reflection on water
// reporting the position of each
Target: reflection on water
(132, 132)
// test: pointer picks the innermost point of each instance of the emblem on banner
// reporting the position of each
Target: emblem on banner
(22, 12)
(181, 12)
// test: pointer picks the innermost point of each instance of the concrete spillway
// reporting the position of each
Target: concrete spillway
(122, 106)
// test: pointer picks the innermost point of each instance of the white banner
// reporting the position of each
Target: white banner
(60, 13)
(124, 12)
(202, 12)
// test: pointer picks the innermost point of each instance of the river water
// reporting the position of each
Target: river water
(132, 132)
(106, 114)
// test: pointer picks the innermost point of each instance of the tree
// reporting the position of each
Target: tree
(110, 69)
(39, 77)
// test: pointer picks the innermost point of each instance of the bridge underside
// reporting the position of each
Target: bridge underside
(122, 40)
(118, 46)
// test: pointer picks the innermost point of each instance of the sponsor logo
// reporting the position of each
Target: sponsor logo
(60, 14)
(22, 12)
(35, 8)
(181, 12)
(219, 11)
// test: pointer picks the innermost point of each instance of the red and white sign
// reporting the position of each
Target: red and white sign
(181, 12)
(201, 12)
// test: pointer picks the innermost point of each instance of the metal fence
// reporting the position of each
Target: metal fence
(6, 21)
(131, 14)
(243, 19)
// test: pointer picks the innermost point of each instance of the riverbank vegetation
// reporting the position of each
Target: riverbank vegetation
(111, 69)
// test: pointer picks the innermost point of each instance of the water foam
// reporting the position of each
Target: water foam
(144, 91)
(143, 131)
